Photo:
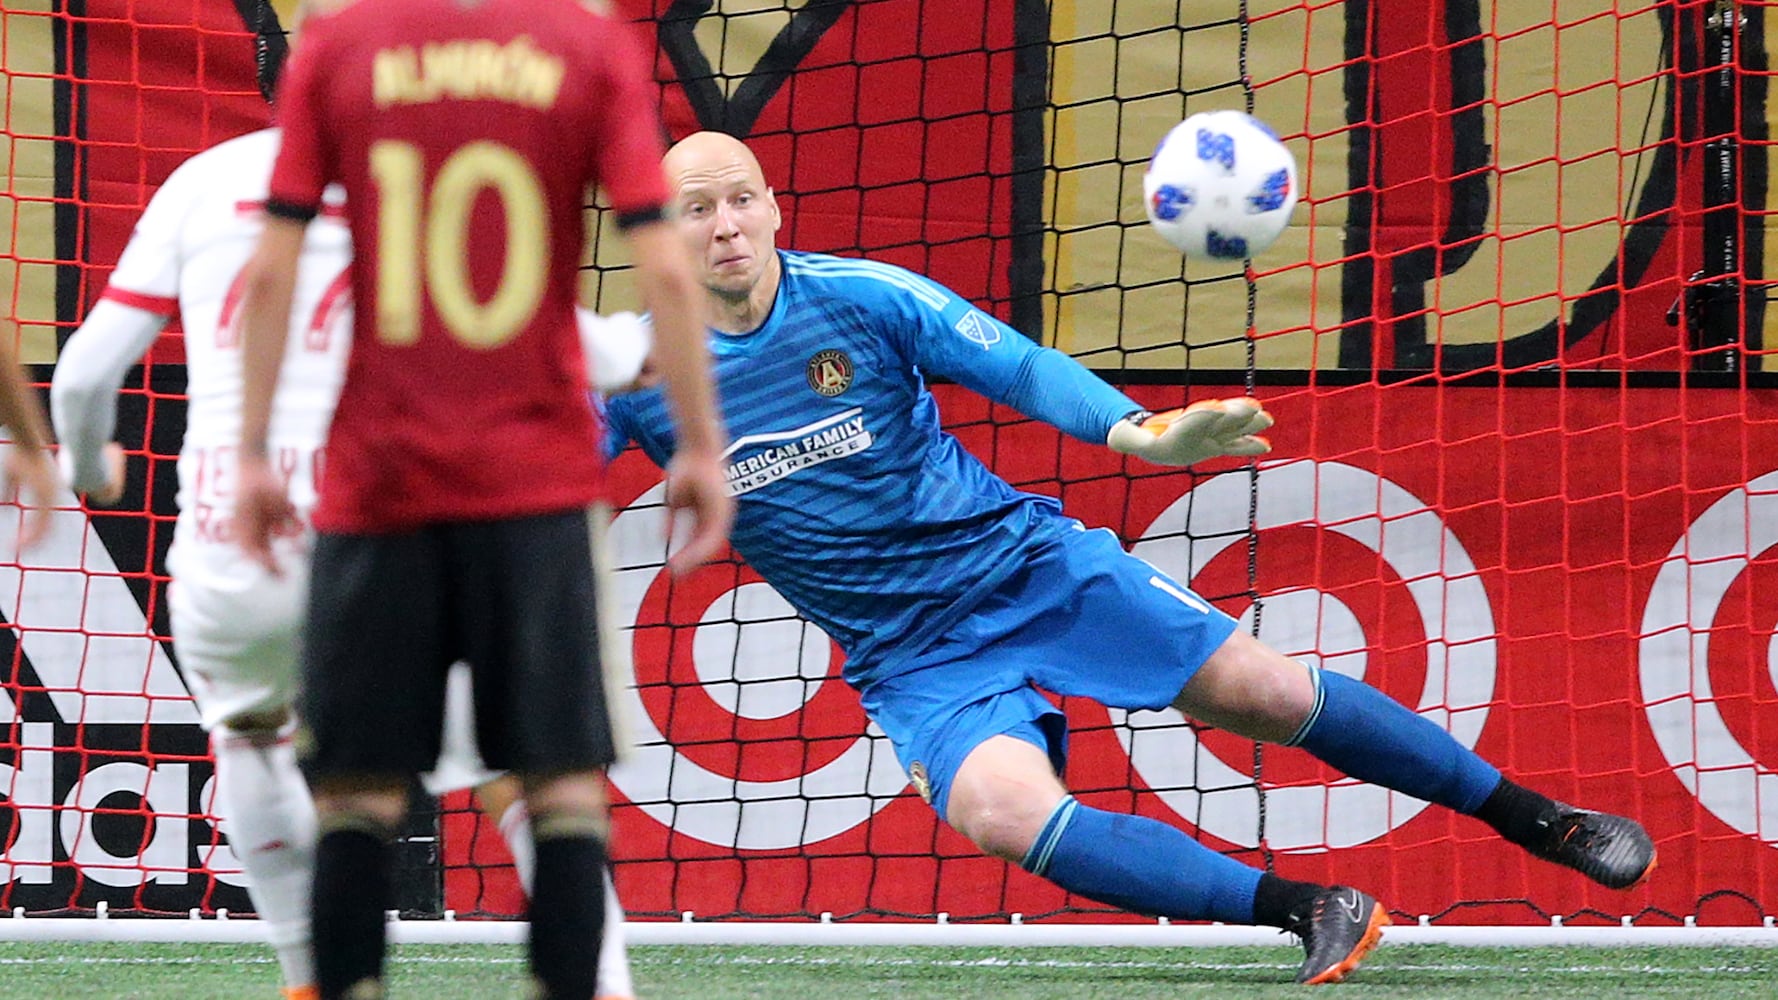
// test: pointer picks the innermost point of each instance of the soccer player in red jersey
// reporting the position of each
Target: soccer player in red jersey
(452, 519)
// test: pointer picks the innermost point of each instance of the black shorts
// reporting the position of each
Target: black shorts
(389, 614)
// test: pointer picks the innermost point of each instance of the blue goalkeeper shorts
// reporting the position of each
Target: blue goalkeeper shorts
(1082, 617)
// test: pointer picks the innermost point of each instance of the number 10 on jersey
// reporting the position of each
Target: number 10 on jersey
(423, 242)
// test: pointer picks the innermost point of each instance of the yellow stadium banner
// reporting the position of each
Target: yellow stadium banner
(27, 206)
(1488, 183)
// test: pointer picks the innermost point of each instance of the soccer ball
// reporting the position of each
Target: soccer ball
(1220, 185)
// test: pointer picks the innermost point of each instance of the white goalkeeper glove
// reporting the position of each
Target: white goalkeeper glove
(615, 347)
(1213, 428)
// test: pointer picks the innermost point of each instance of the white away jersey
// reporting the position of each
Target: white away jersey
(187, 255)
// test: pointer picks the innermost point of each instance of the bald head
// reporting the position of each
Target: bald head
(728, 216)
(710, 152)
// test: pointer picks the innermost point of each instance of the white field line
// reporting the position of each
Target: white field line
(1047, 963)
(933, 963)
(886, 934)
(261, 960)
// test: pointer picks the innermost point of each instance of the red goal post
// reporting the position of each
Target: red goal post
(1505, 489)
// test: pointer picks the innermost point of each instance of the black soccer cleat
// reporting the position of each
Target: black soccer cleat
(1614, 851)
(1343, 925)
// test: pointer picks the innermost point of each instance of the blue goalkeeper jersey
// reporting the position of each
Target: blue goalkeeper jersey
(851, 502)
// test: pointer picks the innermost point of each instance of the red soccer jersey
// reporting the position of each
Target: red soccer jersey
(467, 136)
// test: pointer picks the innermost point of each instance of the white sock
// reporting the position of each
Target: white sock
(515, 828)
(270, 819)
(614, 954)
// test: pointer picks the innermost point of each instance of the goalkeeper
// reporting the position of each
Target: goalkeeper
(956, 597)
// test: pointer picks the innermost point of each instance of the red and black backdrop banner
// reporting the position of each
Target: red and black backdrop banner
(1568, 577)
(1457, 236)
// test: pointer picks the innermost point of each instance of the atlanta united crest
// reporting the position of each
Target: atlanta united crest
(830, 372)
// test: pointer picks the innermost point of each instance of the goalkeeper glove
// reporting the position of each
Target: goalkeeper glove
(615, 347)
(1209, 429)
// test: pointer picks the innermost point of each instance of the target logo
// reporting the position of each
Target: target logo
(1360, 543)
(1709, 655)
(746, 736)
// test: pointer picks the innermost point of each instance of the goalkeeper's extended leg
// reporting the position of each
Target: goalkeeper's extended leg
(270, 821)
(1250, 689)
(1007, 799)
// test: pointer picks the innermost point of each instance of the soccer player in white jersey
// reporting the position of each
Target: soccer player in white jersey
(235, 626)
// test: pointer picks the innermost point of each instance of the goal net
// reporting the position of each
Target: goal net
(1525, 476)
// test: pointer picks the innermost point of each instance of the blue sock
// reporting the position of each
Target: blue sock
(1141, 865)
(1372, 737)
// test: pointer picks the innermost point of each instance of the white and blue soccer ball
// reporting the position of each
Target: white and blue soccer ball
(1220, 185)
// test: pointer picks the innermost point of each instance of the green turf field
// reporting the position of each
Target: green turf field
(433, 972)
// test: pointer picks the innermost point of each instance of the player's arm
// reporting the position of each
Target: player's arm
(299, 176)
(627, 163)
(268, 290)
(28, 463)
(945, 335)
(665, 279)
(969, 346)
(269, 286)
(83, 393)
(695, 480)
(140, 298)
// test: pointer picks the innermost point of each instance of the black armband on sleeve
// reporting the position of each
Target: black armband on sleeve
(290, 210)
(641, 217)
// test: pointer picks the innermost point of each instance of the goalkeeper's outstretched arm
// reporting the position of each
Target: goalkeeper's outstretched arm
(1059, 390)
(1047, 385)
